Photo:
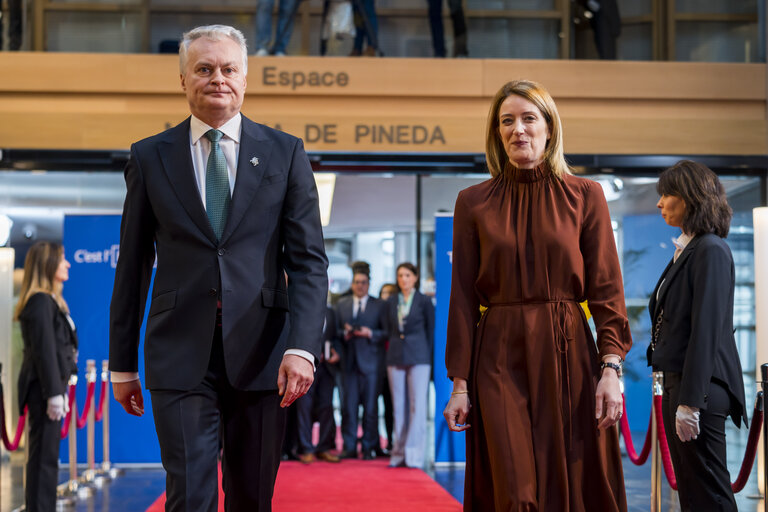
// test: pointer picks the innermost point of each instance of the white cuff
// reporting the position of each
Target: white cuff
(302, 353)
(123, 376)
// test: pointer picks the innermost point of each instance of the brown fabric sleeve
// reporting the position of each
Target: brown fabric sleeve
(603, 283)
(464, 308)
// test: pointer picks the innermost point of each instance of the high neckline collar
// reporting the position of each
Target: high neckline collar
(528, 175)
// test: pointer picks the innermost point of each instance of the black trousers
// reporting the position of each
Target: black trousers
(43, 462)
(317, 404)
(360, 387)
(436, 25)
(252, 426)
(700, 465)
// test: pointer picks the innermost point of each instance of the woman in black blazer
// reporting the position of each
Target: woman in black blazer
(692, 338)
(50, 351)
(411, 321)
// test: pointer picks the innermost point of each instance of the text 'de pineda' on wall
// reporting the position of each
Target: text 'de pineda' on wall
(343, 130)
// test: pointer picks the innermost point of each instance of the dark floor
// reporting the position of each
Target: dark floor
(136, 489)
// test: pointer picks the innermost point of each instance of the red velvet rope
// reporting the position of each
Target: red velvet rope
(749, 454)
(89, 391)
(11, 445)
(102, 394)
(636, 459)
(663, 446)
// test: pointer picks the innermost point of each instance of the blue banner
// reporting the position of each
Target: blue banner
(91, 245)
(449, 446)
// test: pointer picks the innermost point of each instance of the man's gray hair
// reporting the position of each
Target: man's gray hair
(215, 33)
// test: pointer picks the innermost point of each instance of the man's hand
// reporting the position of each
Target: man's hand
(364, 332)
(128, 394)
(294, 378)
(334, 357)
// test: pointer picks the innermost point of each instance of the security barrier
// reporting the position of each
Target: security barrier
(75, 487)
(662, 457)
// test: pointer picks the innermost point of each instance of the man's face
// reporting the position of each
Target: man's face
(360, 284)
(214, 80)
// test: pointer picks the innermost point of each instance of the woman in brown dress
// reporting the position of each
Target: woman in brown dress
(529, 245)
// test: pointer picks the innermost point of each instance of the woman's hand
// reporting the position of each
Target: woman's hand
(457, 410)
(608, 400)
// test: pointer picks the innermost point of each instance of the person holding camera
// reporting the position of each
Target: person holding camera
(360, 320)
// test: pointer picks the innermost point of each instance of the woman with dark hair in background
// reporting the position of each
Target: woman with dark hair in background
(50, 352)
(692, 336)
(530, 244)
(409, 365)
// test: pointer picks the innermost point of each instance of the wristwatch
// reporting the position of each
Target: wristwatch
(615, 366)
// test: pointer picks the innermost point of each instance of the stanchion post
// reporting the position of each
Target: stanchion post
(68, 491)
(764, 373)
(658, 387)
(106, 466)
(89, 475)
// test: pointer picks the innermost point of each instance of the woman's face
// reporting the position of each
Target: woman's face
(62, 271)
(672, 210)
(405, 279)
(524, 132)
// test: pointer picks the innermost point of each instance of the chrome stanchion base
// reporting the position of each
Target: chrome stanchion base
(74, 489)
(65, 503)
(93, 478)
(110, 472)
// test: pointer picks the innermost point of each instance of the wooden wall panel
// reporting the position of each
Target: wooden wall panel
(102, 101)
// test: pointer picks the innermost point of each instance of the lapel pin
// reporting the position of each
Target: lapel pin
(254, 161)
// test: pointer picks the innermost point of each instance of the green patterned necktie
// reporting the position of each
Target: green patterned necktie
(217, 197)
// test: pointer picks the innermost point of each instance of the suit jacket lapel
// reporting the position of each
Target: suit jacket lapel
(674, 269)
(177, 163)
(249, 175)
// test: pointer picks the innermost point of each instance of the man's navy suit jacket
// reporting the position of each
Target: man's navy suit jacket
(273, 230)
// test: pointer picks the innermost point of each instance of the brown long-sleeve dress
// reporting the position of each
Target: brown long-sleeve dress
(530, 247)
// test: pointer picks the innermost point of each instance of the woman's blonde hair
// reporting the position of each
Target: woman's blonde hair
(496, 156)
(40, 267)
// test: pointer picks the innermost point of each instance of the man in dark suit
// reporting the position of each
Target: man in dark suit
(361, 320)
(230, 208)
(318, 402)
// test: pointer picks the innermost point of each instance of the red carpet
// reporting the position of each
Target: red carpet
(352, 486)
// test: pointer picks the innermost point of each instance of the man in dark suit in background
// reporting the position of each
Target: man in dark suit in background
(230, 208)
(317, 404)
(360, 318)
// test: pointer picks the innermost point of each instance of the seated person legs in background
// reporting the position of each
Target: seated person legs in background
(362, 29)
(15, 25)
(318, 403)
(286, 10)
(459, 27)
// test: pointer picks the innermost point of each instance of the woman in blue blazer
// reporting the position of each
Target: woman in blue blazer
(411, 321)
(50, 350)
(692, 338)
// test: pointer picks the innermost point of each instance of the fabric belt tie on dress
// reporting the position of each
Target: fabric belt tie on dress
(564, 317)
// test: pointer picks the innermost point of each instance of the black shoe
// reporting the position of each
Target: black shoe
(382, 452)
(369, 455)
(348, 454)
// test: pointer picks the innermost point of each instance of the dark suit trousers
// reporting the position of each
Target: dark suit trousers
(187, 423)
(317, 404)
(43, 462)
(700, 465)
(361, 387)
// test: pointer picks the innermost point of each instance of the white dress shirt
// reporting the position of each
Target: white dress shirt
(200, 147)
(359, 305)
